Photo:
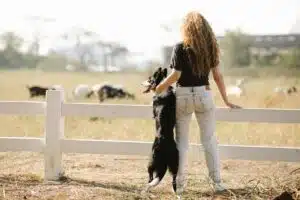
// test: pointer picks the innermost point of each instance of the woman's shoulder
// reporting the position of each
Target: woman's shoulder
(179, 45)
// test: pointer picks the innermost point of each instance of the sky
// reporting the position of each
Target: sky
(136, 23)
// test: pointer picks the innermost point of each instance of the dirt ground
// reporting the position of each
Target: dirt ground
(95, 177)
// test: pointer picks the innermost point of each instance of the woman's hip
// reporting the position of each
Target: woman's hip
(189, 99)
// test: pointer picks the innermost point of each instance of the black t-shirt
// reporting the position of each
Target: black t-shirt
(180, 61)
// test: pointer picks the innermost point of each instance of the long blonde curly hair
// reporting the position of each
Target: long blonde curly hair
(199, 36)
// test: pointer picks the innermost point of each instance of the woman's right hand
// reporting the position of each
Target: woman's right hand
(218, 77)
(231, 105)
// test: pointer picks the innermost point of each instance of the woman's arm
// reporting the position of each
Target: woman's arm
(172, 78)
(176, 66)
(218, 77)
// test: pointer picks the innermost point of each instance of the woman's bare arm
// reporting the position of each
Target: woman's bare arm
(172, 78)
(218, 77)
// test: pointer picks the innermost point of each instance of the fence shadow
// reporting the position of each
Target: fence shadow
(123, 187)
(24, 179)
(228, 194)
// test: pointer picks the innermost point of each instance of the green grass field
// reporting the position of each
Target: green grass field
(110, 177)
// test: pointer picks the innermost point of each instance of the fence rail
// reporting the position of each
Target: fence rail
(53, 144)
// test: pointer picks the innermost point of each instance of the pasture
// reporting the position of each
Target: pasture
(115, 177)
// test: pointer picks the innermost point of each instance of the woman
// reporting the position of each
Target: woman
(191, 62)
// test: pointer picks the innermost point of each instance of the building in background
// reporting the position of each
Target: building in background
(260, 45)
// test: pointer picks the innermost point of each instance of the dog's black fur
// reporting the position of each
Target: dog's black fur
(164, 150)
(110, 92)
(284, 196)
(35, 90)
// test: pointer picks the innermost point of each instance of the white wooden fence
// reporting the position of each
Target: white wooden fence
(53, 144)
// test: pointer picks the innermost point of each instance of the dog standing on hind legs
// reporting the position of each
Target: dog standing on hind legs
(165, 154)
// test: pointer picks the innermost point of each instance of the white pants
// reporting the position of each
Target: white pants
(198, 100)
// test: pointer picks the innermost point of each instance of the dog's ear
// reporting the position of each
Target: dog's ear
(159, 69)
(165, 72)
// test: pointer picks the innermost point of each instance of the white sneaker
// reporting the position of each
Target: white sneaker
(218, 187)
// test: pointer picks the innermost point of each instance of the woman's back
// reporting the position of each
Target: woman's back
(181, 60)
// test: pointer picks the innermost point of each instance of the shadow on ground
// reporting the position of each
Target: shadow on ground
(134, 190)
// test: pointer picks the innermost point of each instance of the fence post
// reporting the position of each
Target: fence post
(54, 132)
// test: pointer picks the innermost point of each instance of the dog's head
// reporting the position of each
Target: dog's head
(158, 75)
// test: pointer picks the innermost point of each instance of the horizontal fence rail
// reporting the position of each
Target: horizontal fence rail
(21, 144)
(22, 108)
(145, 112)
(53, 144)
(286, 154)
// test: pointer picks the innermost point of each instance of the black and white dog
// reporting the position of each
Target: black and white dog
(164, 150)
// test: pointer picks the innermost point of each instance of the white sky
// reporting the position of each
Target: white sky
(137, 22)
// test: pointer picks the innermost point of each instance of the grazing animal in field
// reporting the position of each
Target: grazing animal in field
(284, 91)
(81, 91)
(291, 90)
(238, 89)
(35, 90)
(108, 91)
(165, 154)
(95, 88)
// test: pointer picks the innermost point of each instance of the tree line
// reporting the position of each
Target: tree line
(237, 51)
(16, 54)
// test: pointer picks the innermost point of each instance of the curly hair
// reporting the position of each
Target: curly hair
(199, 36)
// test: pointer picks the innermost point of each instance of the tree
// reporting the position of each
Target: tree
(291, 59)
(115, 50)
(83, 51)
(33, 56)
(53, 62)
(236, 49)
(11, 51)
(33, 52)
(89, 49)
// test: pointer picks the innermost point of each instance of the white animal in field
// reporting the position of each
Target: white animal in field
(236, 90)
(285, 90)
(119, 86)
(81, 91)
(280, 90)
(96, 87)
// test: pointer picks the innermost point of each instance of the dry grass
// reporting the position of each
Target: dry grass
(116, 177)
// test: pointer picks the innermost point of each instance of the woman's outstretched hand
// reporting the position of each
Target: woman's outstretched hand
(231, 105)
